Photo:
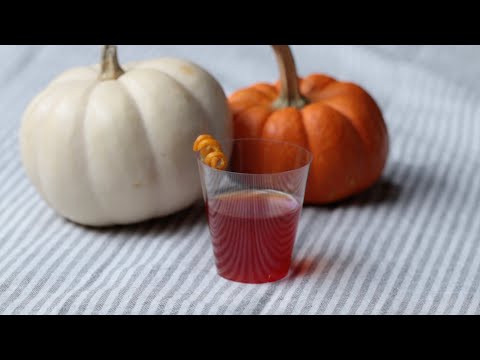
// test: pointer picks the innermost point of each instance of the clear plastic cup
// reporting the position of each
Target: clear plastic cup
(254, 207)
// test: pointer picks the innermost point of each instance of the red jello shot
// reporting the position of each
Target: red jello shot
(254, 207)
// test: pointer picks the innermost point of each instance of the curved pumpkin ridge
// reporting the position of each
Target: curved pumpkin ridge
(33, 165)
(85, 164)
(286, 125)
(213, 105)
(27, 143)
(186, 90)
(140, 82)
(74, 75)
(131, 91)
(358, 106)
(338, 152)
(355, 103)
(113, 152)
(246, 98)
(268, 90)
(313, 84)
(250, 122)
(38, 164)
(56, 122)
(103, 208)
(83, 98)
(181, 72)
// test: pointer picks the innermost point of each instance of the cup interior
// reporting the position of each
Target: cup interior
(257, 156)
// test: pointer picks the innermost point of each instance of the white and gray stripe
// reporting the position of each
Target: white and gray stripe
(410, 245)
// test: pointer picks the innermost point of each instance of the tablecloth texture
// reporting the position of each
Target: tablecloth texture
(410, 245)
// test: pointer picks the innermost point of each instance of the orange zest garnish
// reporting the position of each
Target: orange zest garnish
(211, 152)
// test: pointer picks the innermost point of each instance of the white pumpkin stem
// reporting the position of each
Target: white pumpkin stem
(110, 67)
(290, 95)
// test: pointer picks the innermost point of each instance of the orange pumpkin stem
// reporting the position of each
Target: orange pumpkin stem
(110, 67)
(290, 95)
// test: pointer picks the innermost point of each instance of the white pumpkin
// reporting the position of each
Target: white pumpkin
(109, 146)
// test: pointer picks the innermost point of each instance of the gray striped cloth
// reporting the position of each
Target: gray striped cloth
(410, 245)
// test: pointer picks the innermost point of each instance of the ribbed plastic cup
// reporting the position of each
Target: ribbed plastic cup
(254, 208)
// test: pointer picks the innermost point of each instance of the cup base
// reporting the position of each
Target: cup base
(268, 279)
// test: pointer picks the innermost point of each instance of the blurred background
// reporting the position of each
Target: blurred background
(400, 78)
(241, 65)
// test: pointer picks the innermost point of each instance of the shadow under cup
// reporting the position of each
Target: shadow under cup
(254, 207)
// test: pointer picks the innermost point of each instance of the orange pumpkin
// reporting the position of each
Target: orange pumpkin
(338, 122)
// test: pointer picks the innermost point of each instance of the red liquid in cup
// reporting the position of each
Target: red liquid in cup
(253, 235)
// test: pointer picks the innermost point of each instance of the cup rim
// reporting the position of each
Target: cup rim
(307, 151)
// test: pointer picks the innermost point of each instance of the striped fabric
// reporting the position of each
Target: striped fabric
(410, 245)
